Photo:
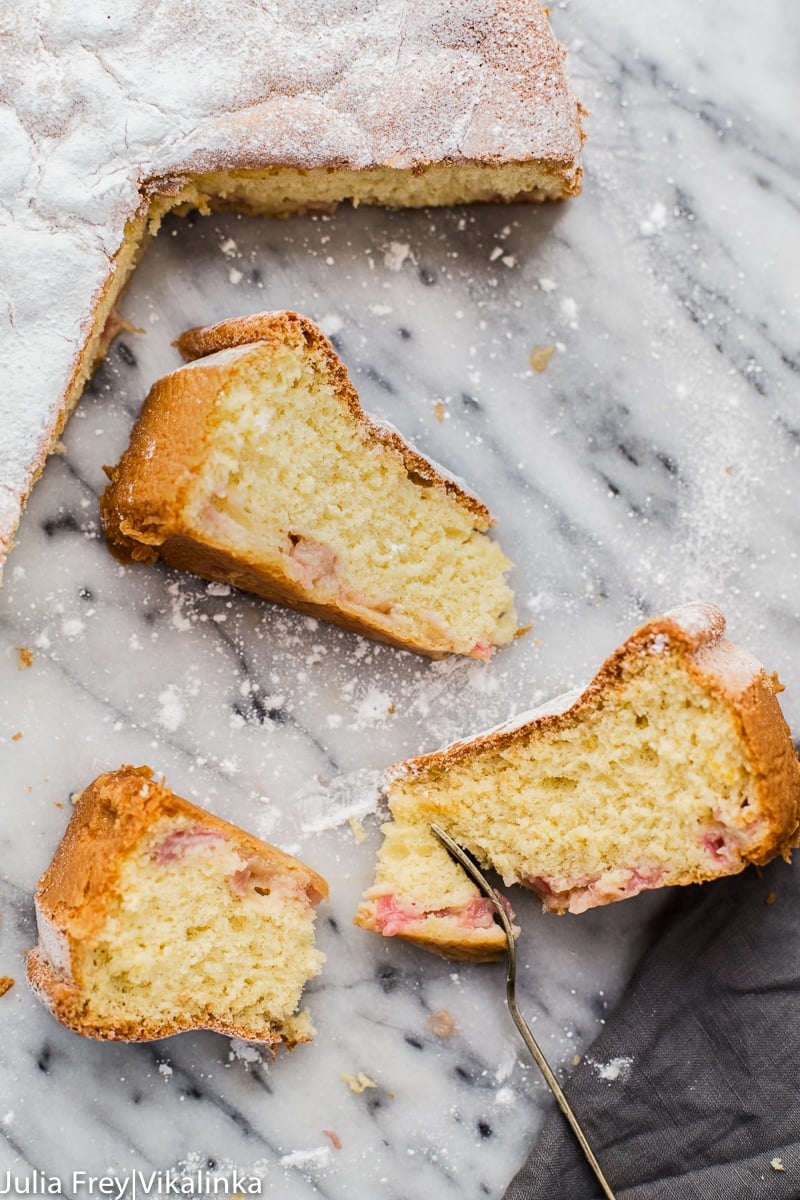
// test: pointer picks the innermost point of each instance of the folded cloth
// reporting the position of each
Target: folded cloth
(692, 1091)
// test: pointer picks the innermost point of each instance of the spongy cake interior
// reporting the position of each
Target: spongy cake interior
(283, 190)
(649, 786)
(201, 936)
(291, 476)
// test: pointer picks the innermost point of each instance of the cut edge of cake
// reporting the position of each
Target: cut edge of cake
(446, 913)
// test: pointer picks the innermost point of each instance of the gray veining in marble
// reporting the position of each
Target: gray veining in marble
(654, 461)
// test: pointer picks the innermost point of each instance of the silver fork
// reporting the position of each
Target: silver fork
(461, 857)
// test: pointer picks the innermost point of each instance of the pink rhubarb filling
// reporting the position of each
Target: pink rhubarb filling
(718, 847)
(255, 878)
(177, 845)
(394, 916)
(579, 895)
(259, 878)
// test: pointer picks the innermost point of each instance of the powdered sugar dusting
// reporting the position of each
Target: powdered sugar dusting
(171, 709)
(331, 804)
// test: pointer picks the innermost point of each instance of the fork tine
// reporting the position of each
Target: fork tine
(476, 875)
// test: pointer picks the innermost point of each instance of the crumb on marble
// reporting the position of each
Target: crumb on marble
(24, 657)
(358, 1083)
(439, 410)
(357, 828)
(522, 631)
(335, 1140)
(6, 983)
(770, 898)
(17, 737)
(777, 686)
(540, 357)
(442, 1024)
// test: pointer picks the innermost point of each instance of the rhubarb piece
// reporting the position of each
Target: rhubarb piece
(673, 766)
(156, 917)
(256, 466)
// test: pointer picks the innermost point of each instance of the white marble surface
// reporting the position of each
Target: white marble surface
(654, 461)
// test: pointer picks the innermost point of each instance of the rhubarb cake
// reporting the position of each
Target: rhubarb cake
(674, 766)
(111, 119)
(255, 465)
(156, 917)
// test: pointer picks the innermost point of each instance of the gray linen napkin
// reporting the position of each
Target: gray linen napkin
(708, 1107)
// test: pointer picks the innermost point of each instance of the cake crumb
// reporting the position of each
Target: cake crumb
(357, 827)
(336, 1141)
(245, 1052)
(24, 658)
(771, 898)
(441, 1023)
(17, 737)
(358, 1083)
(318, 1157)
(6, 983)
(615, 1069)
(438, 408)
(396, 254)
(540, 357)
(777, 1164)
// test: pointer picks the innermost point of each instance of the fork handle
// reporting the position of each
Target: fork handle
(555, 1088)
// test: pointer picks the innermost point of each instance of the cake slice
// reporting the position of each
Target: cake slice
(256, 465)
(156, 917)
(673, 766)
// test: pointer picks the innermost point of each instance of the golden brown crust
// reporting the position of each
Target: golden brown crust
(142, 509)
(202, 340)
(697, 633)
(111, 817)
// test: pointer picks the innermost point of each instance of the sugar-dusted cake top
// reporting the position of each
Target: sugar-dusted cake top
(98, 101)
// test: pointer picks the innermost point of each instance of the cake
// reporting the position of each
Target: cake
(256, 466)
(156, 917)
(112, 119)
(674, 766)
